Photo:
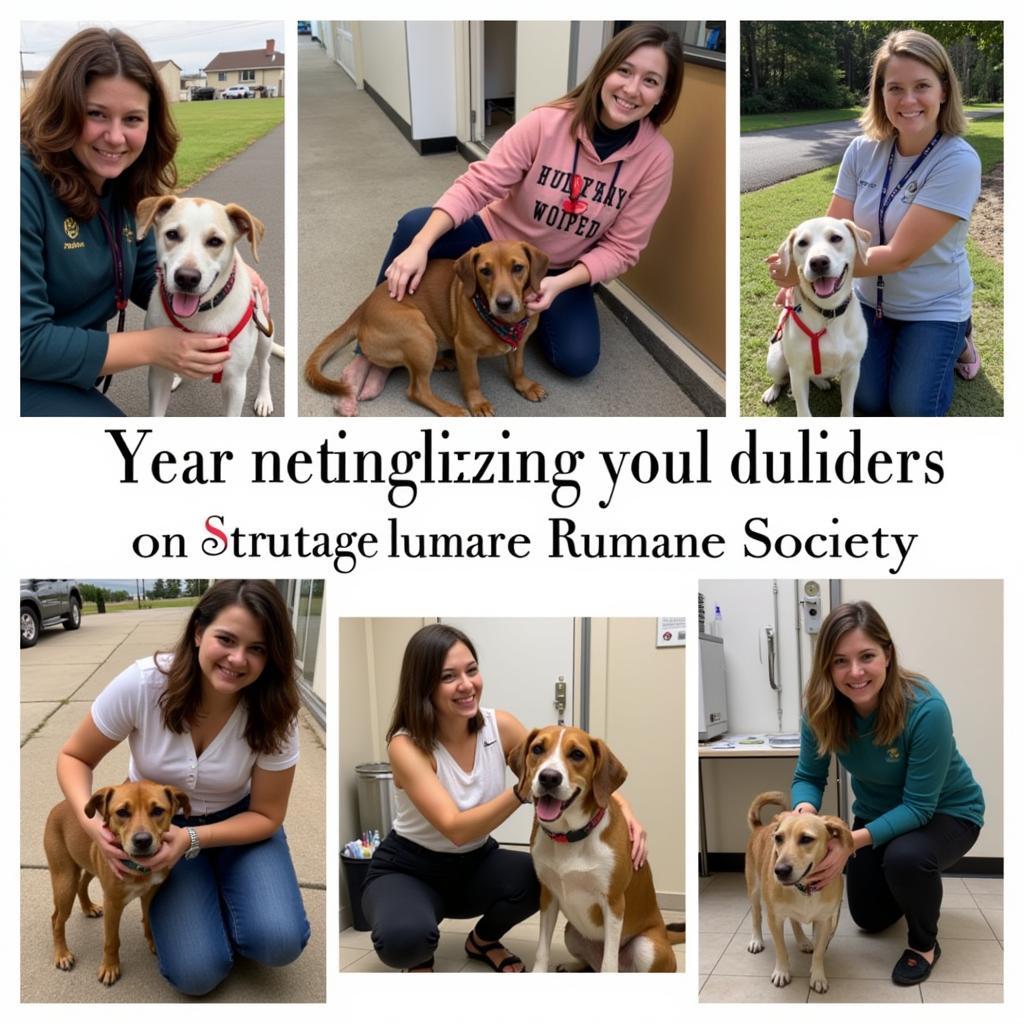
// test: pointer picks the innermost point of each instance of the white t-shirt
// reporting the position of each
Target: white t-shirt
(937, 285)
(484, 782)
(129, 709)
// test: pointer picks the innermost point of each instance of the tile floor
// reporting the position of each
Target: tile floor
(357, 950)
(858, 965)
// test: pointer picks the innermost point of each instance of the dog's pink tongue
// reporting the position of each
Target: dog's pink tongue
(548, 808)
(825, 286)
(184, 304)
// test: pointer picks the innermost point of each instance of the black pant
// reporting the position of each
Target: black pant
(409, 889)
(902, 878)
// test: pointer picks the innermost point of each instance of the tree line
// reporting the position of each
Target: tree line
(812, 65)
(155, 591)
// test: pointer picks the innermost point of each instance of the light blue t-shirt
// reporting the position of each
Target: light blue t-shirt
(937, 286)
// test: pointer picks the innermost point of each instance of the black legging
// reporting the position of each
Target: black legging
(902, 878)
(409, 889)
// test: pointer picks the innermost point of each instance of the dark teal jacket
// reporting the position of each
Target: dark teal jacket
(900, 786)
(67, 282)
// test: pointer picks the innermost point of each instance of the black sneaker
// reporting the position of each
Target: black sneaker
(912, 968)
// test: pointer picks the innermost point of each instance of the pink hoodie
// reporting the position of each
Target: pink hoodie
(521, 186)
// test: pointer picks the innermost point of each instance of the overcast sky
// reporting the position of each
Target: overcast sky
(190, 44)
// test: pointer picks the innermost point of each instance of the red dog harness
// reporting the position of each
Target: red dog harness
(232, 334)
(790, 312)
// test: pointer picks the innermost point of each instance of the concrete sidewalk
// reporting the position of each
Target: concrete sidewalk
(60, 677)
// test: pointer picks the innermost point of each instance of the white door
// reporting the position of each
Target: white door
(521, 662)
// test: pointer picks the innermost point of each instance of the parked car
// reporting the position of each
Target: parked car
(203, 92)
(47, 603)
(237, 92)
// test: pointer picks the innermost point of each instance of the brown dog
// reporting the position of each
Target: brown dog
(138, 813)
(581, 853)
(477, 304)
(780, 855)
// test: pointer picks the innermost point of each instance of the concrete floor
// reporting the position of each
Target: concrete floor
(60, 677)
(858, 965)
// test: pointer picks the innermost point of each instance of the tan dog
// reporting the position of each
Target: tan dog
(203, 286)
(780, 855)
(138, 813)
(822, 333)
(476, 304)
(581, 853)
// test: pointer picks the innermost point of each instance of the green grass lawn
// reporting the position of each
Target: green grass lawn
(213, 132)
(795, 118)
(89, 607)
(766, 217)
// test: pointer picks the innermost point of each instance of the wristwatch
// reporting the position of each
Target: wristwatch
(193, 844)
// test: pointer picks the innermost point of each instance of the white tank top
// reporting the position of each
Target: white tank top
(468, 790)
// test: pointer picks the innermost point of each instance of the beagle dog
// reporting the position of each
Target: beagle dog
(581, 853)
(138, 813)
(780, 855)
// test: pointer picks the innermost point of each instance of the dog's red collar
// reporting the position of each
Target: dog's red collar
(215, 301)
(511, 334)
(576, 834)
(790, 312)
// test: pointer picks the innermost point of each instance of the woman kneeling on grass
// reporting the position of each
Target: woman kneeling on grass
(912, 181)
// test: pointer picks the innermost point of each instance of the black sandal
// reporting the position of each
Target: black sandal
(479, 952)
(912, 968)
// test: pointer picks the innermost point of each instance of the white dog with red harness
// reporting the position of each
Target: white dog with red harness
(204, 286)
(581, 853)
(821, 332)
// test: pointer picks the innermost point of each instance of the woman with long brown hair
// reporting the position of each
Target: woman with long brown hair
(215, 717)
(583, 178)
(448, 755)
(96, 137)
(917, 807)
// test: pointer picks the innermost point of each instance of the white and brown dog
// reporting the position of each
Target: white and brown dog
(780, 857)
(581, 853)
(821, 332)
(203, 285)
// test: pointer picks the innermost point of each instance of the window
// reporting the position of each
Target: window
(247, 76)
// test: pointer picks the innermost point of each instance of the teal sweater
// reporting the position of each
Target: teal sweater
(898, 787)
(67, 282)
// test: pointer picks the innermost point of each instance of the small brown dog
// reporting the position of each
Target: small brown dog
(138, 813)
(476, 303)
(780, 855)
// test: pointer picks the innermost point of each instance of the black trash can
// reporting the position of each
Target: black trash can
(355, 869)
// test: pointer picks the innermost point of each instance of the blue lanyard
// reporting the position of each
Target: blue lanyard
(885, 201)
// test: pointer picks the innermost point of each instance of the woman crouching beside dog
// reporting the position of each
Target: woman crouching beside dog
(912, 181)
(96, 138)
(917, 807)
(216, 717)
(582, 178)
(448, 756)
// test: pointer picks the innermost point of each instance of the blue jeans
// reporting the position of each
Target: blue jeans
(907, 369)
(228, 900)
(568, 332)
